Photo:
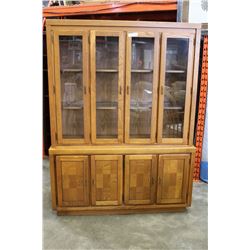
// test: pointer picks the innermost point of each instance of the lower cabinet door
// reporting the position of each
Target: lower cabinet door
(106, 178)
(72, 180)
(172, 178)
(140, 175)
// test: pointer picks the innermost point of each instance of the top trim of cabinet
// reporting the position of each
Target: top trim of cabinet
(103, 23)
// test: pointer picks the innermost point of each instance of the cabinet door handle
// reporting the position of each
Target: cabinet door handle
(159, 181)
(85, 90)
(127, 90)
(161, 90)
(152, 180)
(93, 182)
(120, 90)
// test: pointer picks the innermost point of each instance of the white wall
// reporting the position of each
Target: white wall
(198, 11)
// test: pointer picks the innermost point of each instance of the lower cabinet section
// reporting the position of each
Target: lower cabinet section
(123, 183)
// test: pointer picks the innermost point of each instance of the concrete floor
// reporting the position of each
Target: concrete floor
(174, 231)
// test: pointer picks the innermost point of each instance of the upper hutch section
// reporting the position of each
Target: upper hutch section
(115, 82)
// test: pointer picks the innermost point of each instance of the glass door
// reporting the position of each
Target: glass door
(175, 87)
(71, 83)
(141, 87)
(107, 81)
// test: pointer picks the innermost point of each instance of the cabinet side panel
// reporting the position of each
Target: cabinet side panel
(50, 57)
(195, 84)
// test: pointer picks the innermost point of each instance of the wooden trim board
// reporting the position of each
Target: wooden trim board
(120, 149)
(100, 23)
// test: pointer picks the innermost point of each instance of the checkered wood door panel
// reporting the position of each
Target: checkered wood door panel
(72, 180)
(140, 174)
(106, 175)
(172, 178)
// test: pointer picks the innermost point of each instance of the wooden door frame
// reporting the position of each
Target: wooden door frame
(156, 36)
(190, 34)
(72, 158)
(85, 85)
(121, 63)
(186, 158)
(152, 179)
(119, 159)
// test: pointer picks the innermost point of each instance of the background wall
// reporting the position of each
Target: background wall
(198, 11)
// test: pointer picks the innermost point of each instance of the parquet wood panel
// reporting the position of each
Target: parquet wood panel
(106, 180)
(172, 178)
(140, 179)
(73, 180)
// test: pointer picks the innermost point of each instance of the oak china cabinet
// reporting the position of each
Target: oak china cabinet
(122, 109)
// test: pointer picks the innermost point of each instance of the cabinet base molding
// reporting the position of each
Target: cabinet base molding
(121, 210)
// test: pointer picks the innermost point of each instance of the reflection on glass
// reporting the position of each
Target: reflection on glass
(141, 87)
(71, 86)
(175, 87)
(107, 87)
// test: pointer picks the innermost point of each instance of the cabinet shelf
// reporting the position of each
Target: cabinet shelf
(106, 106)
(71, 70)
(173, 108)
(107, 70)
(175, 71)
(141, 70)
(141, 108)
(69, 108)
(150, 107)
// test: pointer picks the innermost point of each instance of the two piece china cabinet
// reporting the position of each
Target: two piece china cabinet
(122, 110)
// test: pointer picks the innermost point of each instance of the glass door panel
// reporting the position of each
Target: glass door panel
(141, 82)
(71, 77)
(71, 86)
(175, 87)
(107, 67)
(107, 87)
(176, 77)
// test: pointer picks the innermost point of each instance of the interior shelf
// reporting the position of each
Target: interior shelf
(175, 71)
(71, 70)
(140, 108)
(106, 106)
(173, 108)
(141, 70)
(76, 107)
(107, 70)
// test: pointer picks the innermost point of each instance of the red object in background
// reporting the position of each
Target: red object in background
(104, 8)
(201, 110)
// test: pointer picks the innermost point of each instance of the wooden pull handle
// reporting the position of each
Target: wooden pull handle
(93, 182)
(159, 181)
(85, 90)
(120, 90)
(152, 180)
(127, 90)
(161, 90)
